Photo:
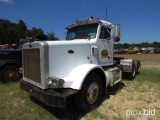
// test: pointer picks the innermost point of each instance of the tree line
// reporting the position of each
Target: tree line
(11, 33)
(155, 45)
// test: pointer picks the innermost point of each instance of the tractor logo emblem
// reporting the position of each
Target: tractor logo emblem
(104, 54)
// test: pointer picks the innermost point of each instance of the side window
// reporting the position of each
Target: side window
(105, 33)
(71, 36)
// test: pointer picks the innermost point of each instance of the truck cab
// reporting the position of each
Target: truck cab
(83, 65)
(101, 35)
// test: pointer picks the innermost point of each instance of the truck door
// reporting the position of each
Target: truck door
(105, 46)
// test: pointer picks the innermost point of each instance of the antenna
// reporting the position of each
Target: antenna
(106, 11)
(83, 9)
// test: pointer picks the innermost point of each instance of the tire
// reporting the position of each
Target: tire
(138, 67)
(10, 73)
(131, 75)
(89, 97)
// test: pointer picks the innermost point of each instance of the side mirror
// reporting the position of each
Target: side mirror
(117, 33)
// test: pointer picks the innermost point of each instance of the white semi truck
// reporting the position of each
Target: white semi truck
(83, 65)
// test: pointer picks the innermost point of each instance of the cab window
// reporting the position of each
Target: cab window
(105, 33)
(86, 31)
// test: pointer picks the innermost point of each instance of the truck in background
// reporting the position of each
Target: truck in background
(11, 61)
(83, 66)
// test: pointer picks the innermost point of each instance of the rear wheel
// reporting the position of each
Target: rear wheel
(132, 74)
(90, 95)
(138, 67)
(10, 73)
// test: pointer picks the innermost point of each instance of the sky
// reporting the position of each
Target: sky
(139, 19)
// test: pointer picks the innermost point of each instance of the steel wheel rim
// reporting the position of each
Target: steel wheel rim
(92, 93)
(11, 75)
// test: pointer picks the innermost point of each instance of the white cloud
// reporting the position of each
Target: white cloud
(7, 1)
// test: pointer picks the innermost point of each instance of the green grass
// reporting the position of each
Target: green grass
(142, 92)
(150, 75)
(17, 105)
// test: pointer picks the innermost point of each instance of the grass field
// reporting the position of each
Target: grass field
(123, 99)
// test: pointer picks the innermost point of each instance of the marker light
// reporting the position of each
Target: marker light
(97, 19)
(87, 20)
(81, 21)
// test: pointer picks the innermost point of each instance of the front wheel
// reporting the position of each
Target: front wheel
(90, 94)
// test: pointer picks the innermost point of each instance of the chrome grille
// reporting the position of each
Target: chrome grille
(31, 64)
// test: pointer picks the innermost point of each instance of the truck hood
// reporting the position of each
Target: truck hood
(65, 56)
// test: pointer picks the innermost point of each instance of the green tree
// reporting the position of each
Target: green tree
(22, 28)
(156, 44)
(36, 31)
(126, 45)
(3, 30)
(12, 35)
(28, 33)
(51, 36)
(41, 37)
(145, 44)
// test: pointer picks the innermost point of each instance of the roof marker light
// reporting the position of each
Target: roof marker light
(97, 19)
(81, 21)
(87, 20)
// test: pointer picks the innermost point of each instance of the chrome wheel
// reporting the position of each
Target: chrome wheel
(89, 97)
(92, 93)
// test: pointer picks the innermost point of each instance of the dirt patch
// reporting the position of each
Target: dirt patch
(147, 60)
(132, 100)
(142, 57)
(149, 64)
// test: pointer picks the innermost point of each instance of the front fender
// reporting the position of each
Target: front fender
(5, 63)
(77, 76)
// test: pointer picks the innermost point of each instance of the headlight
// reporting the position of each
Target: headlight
(55, 82)
(49, 82)
(61, 82)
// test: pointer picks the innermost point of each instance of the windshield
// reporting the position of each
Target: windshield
(88, 31)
